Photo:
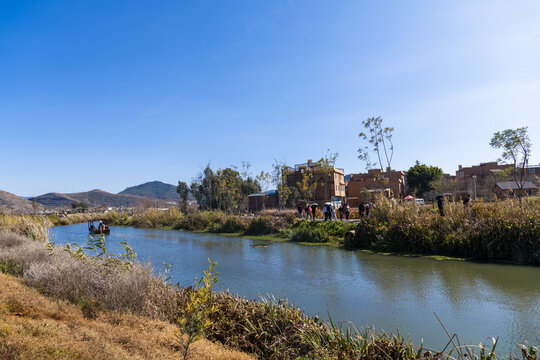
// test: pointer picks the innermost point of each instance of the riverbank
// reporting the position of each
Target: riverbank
(495, 232)
(99, 288)
(33, 326)
(268, 328)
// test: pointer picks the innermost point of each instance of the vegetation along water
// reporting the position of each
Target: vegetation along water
(388, 292)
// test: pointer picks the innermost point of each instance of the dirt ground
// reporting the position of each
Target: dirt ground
(33, 326)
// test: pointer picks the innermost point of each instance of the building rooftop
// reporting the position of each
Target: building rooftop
(512, 185)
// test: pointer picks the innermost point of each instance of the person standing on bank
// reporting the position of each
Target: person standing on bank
(361, 209)
(440, 205)
(313, 210)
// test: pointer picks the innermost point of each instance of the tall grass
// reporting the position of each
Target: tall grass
(498, 231)
(34, 227)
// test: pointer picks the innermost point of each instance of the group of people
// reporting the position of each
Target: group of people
(101, 227)
(364, 208)
(328, 210)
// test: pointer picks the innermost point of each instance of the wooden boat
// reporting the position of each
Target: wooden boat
(96, 231)
(100, 232)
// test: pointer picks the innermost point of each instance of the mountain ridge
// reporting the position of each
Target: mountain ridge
(153, 189)
(93, 198)
(13, 203)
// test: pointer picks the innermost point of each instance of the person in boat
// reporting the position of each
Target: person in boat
(101, 226)
(92, 227)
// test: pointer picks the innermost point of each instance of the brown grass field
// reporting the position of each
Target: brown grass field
(33, 326)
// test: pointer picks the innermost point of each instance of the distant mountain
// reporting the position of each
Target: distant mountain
(92, 198)
(154, 190)
(12, 203)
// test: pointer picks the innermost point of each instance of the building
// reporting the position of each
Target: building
(482, 171)
(375, 179)
(323, 186)
(506, 189)
(532, 172)
(262, 201)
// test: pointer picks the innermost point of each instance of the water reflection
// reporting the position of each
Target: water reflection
(474, 300)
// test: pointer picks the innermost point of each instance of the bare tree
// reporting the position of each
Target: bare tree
(379, 140)
(516, 147)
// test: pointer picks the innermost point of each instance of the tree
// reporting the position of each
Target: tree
(327, 164)
(79, 206)
(223, 189)
(379, 140)
(183, 191)
(279, 178)
(306, 187)
(516, 147)
(421, 178)
(35, 206)
(264, 179)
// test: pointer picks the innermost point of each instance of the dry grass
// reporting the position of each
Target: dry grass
(33, 326)
(34, 227)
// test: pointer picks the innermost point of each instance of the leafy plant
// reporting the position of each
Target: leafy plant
(198, 310)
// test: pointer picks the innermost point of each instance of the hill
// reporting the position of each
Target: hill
(12, 203)
(154, 190)
(92, 198)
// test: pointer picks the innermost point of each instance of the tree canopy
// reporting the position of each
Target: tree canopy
(421, 178)
(224, 189)
(516, 147)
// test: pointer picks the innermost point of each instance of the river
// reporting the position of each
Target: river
(477, 301)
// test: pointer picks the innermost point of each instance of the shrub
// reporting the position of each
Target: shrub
(262, 225)
(332, 228)
(309, 235)
(233, 224)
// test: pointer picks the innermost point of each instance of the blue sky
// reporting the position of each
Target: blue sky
(110, 94)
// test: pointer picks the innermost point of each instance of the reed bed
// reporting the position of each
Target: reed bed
(34, 227)
(500, 231)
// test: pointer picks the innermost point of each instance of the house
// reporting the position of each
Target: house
(262, 201)
(376, 179)
(482, 171)
(325, 185)
(506, 189)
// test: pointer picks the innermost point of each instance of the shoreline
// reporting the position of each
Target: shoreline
(494, 233)
(332, 243)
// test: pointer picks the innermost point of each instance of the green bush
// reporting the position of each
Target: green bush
(262, 225)
(231, 225)
(332, 228)
(309, 235)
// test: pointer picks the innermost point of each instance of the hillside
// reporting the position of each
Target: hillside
(92, 198)
(33, 326)
(14, 204)
(154, 190)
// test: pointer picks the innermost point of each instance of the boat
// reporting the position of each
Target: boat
(97, 231)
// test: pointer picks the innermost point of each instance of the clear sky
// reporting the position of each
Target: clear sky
(110, 94)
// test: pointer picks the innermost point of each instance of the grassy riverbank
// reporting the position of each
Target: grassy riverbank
(275, 226)
(99, 288)
(495, 232)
